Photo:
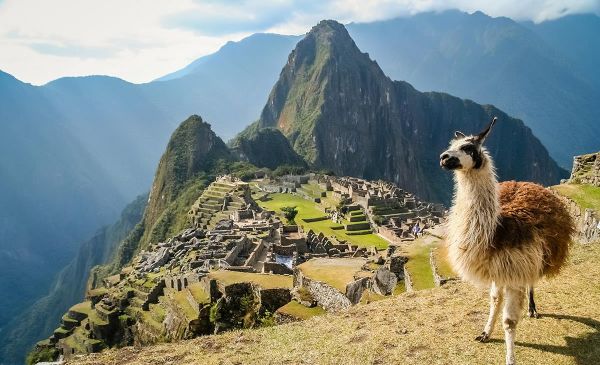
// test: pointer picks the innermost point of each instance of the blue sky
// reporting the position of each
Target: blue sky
(142, 40)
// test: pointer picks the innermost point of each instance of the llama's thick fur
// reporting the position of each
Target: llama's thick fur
(511, 233)
(506, 236)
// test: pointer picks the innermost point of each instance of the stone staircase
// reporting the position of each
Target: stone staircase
(215, 204)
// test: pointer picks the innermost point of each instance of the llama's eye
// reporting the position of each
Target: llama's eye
(468, 148)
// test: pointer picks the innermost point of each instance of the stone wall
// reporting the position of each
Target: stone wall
(327, 296)
(587, 222)
(438, 279)
(408, 281)
(255, 255)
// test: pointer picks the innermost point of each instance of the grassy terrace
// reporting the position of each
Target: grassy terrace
(265, 281)
(418, 264)
(198, 293)
(308, 209)
(182, 302)
(297, 310)
(84, 307)
(441, 259)
(335, 272)
(312, 189)
(586, 196)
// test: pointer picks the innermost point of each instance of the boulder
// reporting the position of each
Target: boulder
(396, 265)
(384, 281)
(355, 289)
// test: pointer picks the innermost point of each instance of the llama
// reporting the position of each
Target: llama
(506, 236)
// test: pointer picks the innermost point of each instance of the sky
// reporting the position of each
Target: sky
(142, 40)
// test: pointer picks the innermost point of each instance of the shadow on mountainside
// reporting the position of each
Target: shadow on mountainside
(585, 349)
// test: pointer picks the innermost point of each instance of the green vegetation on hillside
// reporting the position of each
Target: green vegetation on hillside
(586, 196)
(309, 209)
(297, 310)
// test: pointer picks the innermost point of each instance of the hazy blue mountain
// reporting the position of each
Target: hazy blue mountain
(578, 37)
(498, 61)
(228, 87)
(53, 193)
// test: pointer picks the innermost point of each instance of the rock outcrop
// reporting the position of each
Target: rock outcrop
(586, 169)
(341, 112)
(266, 147)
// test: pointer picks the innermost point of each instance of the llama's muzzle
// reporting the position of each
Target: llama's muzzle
(449, 162)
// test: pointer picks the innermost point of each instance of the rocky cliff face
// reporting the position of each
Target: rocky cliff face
(341, 112)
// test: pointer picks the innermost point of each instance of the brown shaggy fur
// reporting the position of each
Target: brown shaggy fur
(528, 209)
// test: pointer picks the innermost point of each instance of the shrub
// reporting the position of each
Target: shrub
(290, 214)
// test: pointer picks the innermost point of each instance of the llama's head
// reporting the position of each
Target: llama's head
(466, 152)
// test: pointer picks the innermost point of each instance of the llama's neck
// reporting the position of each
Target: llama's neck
(476, 209)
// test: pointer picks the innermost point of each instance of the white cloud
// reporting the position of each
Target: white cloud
(139, 41)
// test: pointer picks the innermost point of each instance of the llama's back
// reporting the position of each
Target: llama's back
(529, 209)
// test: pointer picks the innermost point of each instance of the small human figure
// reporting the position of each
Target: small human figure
(416, 230)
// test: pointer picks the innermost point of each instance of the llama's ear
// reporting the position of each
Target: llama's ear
(459, 135)
(483, 135)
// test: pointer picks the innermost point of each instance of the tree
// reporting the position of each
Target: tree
(290, 214)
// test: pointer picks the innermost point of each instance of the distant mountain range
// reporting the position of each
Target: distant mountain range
(73, 152)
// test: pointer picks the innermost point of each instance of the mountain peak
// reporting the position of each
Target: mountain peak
(330, 33)
(328, 25)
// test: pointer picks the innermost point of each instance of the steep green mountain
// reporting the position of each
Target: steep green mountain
(193, 155)
(531, 73)
(69, 286)
(266, 147)
(341, 112)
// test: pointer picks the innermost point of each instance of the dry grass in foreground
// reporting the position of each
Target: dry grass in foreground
(434, 326)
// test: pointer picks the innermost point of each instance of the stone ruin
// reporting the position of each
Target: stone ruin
(393, 210)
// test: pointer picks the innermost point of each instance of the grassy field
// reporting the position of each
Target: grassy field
(312, 189)
(418, 264)
(308, 209)
(435, 326)
(335, 272)
(198, 293)
(441, 259)
(265, 281)
(297, 310)
(587, 196)
(181, 300)
(84, 307)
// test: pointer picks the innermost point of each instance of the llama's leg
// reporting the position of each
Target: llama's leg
(495, 305)
(512, 311)
(532, 311)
